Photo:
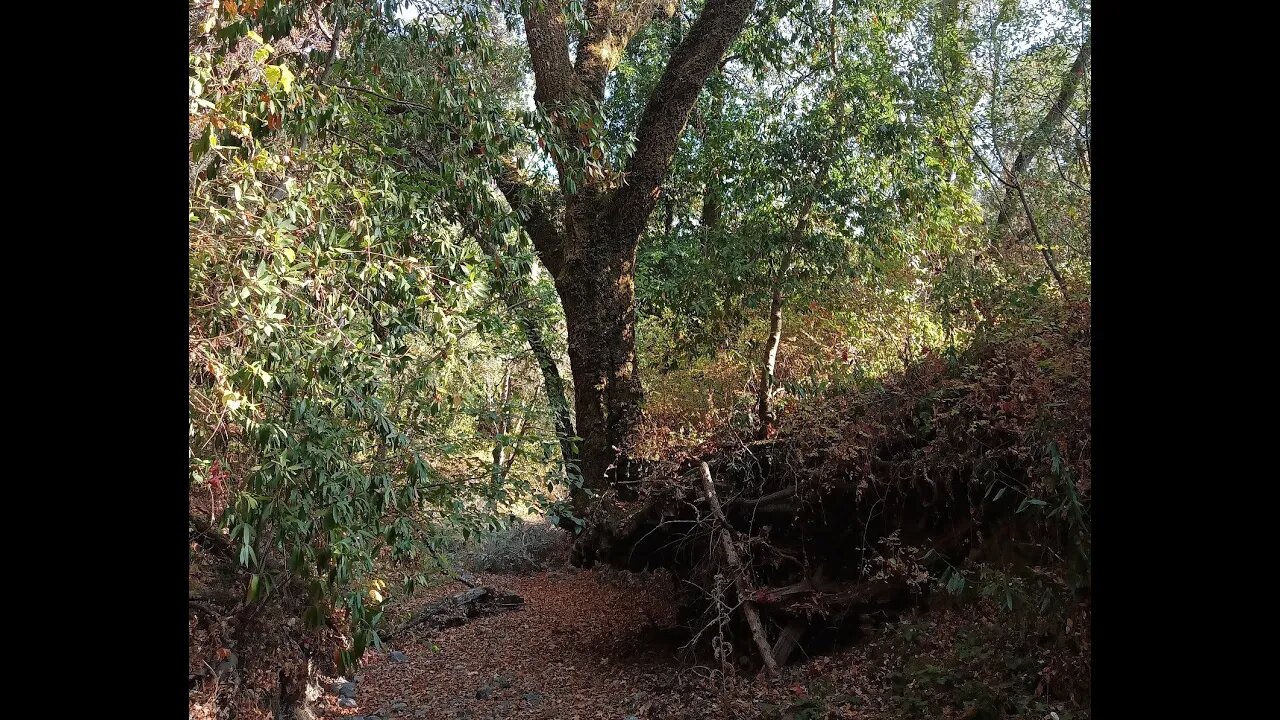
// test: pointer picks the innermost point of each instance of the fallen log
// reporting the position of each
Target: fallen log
(858, 597)
(789, 640)
(782, 494)
(739, 573)
(460, 607)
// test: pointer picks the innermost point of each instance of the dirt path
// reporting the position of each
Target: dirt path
(589, 645)
(585, 645)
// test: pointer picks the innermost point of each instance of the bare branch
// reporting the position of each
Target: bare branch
(1036, 140)
(335, 40)
(738, 570)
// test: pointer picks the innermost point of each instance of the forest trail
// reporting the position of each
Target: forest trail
(586, 644)
(582, 646)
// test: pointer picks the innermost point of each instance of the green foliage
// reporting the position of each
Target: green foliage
(334, 315)
(978, 670)
(842, 159)
(834, 175)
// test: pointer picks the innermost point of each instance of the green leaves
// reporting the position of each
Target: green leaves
(279, 77)
(331, 295)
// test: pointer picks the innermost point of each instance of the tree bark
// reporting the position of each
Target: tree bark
(789, 640)
(597, 290)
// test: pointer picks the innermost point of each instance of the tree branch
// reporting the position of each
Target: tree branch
(739, 572)
(554, 78)
(536, 219)
(667, 112)
(611, 29)
(1044, 249)
(334, 41)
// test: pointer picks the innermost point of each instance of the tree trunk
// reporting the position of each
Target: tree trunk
(501, 426)
(597, 290)
(1037, 139)
(775, 311)
(770, 358)
(593, 258)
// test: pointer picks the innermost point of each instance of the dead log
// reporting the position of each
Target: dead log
(782, 494)
(859, 597)
(789, 640)
(739, 572)
(460, 607)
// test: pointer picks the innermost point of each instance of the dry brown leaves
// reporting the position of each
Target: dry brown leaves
(587, 646)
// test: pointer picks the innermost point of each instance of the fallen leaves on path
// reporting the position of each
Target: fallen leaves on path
(584, 646)
(596, 645)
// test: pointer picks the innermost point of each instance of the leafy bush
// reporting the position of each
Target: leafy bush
(335, 417)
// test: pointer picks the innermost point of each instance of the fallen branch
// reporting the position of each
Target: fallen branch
(739, 573)
(782, 494)
(458, 608)
(872, 595)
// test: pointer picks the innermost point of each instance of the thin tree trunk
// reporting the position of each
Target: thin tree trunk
(711, 207)
(769, 363)
(334, 41)
(500, 426)
(1037, 139)
(1045, 252)
(553, 385)
(770, 356)
(514, 296)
